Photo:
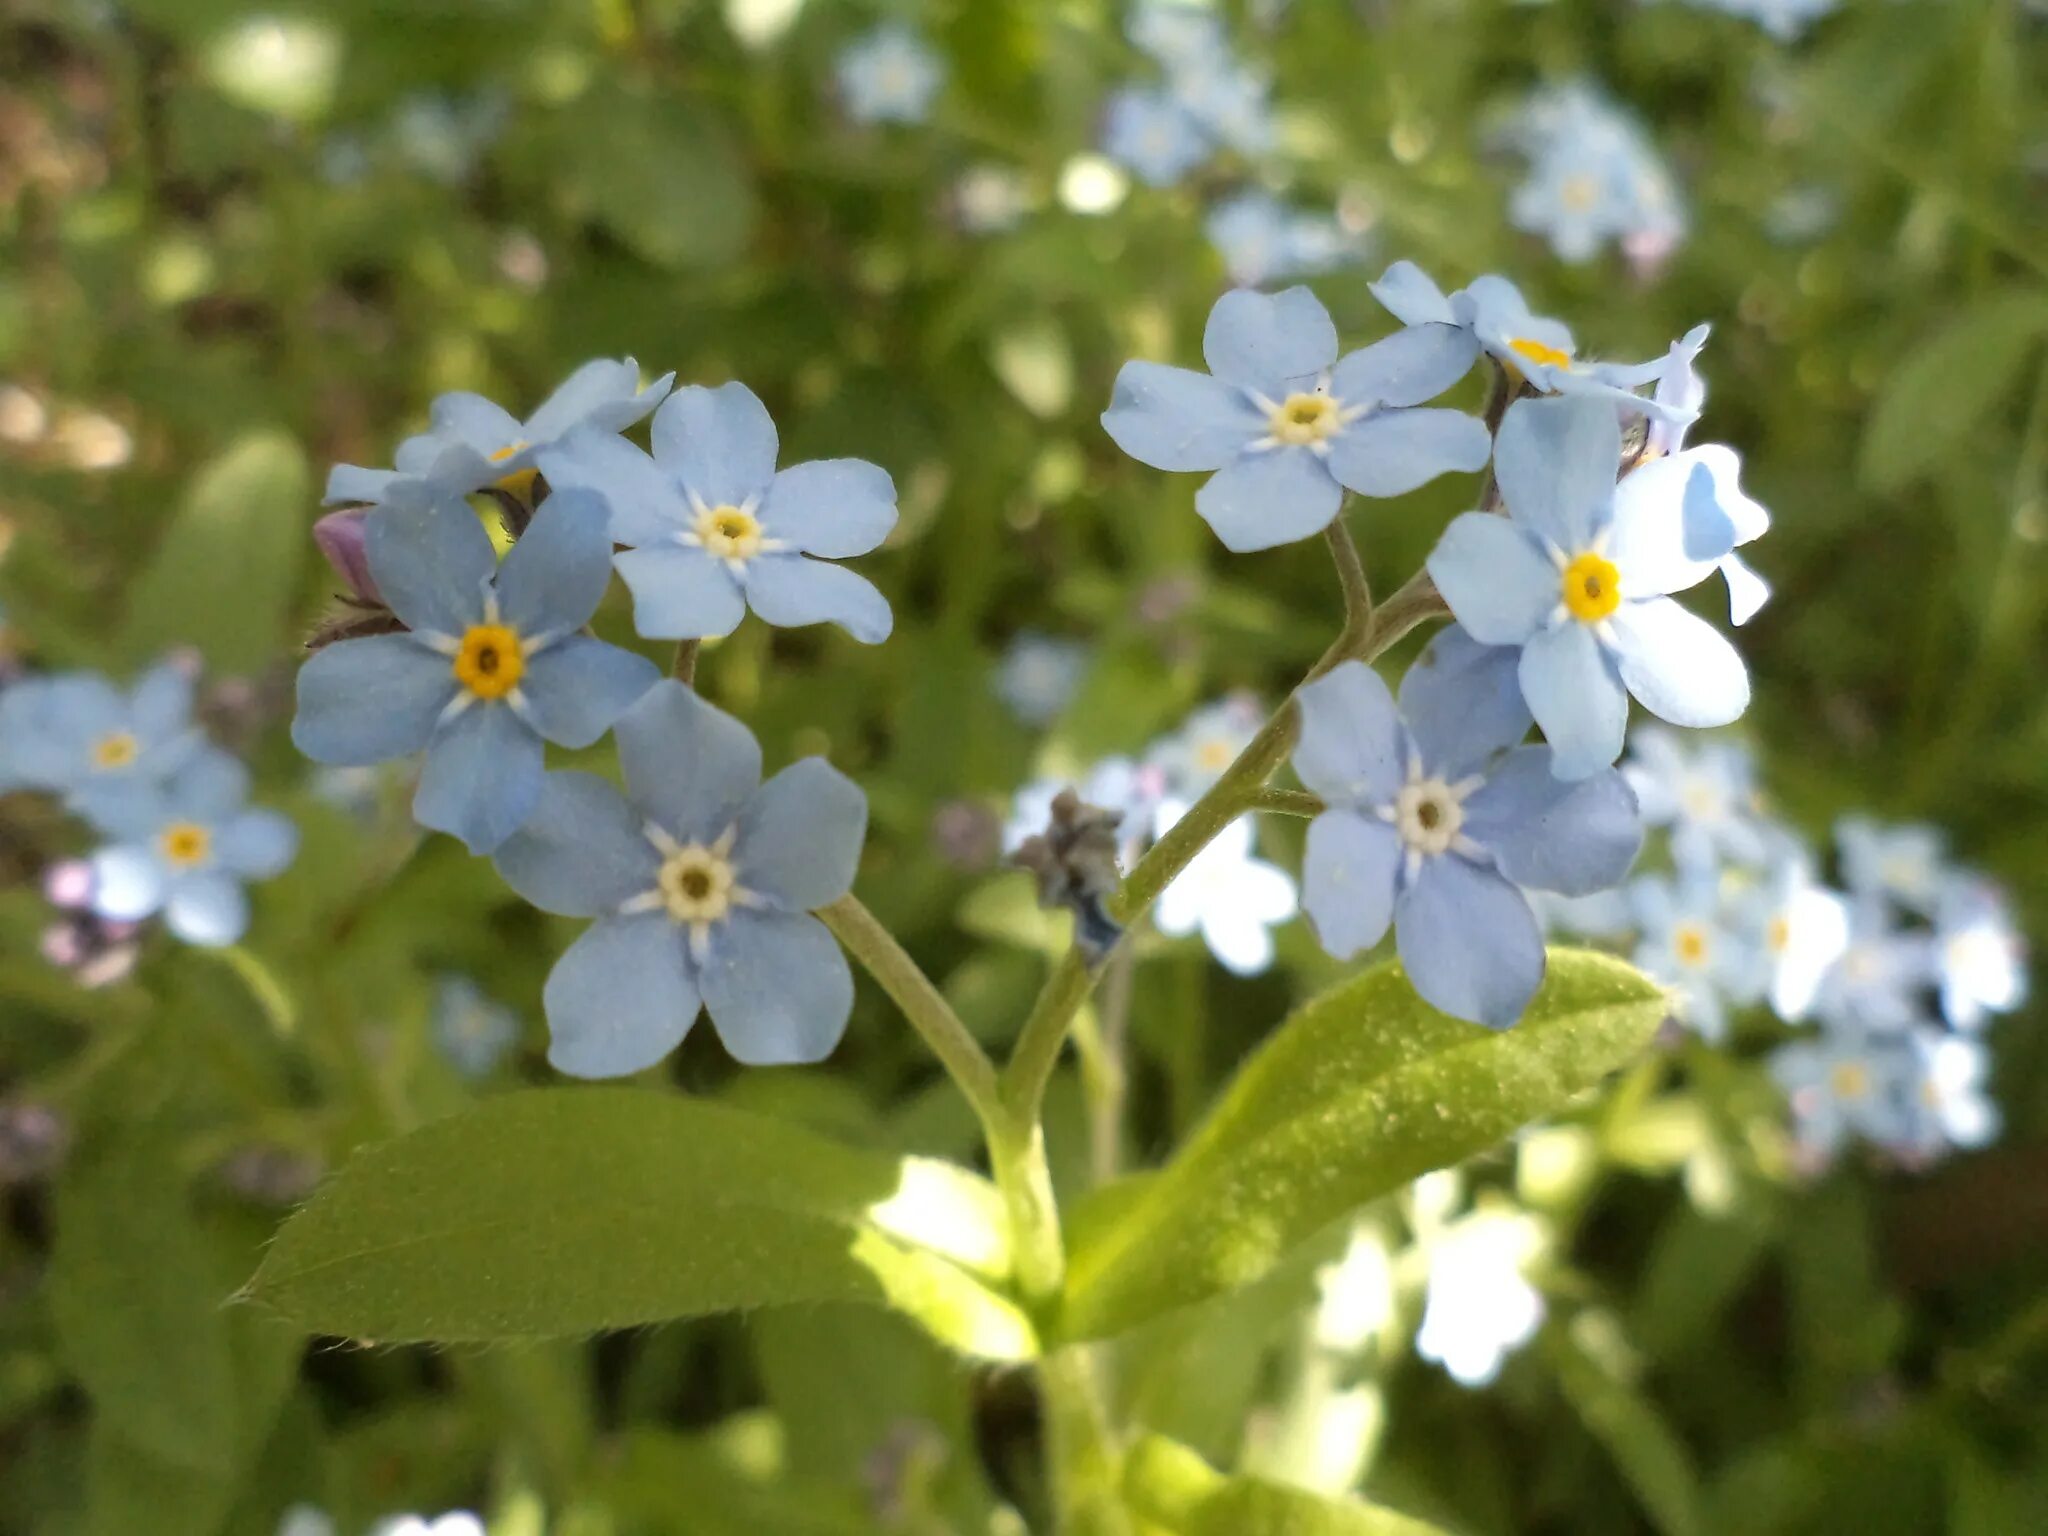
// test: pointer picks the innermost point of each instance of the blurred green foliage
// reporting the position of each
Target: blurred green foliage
(242, 242)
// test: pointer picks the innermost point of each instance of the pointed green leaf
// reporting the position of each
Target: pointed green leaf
(228, 566)
(1171, 1487)
(1645, 1448)
(562, 1211)
(1944, 387)
(1362, 1090)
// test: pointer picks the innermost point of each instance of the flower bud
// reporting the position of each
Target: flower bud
(340, 536)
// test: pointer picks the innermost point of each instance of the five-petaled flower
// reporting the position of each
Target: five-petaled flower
(185, 846)
(715, 529)
(1287, 426)
(702, 880)
(1578, 576)
(472, 444)
(891, 75)
(102, 748)
(493, 661)
(1432, 823)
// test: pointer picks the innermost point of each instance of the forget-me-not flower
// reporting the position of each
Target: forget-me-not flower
(1880, 983)
(891, 75)
(1130, 791)
(1152, 135)
(1705, 793)
(1038, 675)
(1798, 926)
(1689, 939)
(702, 880)
(1478, 1306)
(471, 1029)
(1946, 1095)
(1287, 426)
(99, 746)
(1578, 575)
(713, 528)
(494, 661)
(1262, 240)
(1195, 756)
(185, 847)
(1232, 898)
(1980, 959)
(1593, 177)
(1902, 862)
(1431, 829)
(1845, 1082)
(1176, 34)
(471, 444)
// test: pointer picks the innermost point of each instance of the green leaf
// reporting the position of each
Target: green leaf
(1170, 1486)
(1642, 1443)
(661, 174)
(1361, 1091)
(562, 1211)
(1947, 385)
(224, 576)
(137, 1307)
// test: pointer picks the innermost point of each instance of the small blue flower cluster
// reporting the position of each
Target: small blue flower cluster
(1899, 969)
(1262, 240)
(890, 75)
(177, 835)
(1594, 178)
(701, 878)
(1436, 817)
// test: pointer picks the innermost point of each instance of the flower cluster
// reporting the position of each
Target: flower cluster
(1594, 178)
(1263, 240)
(1206, 101)
(702, 879)
(177, 836)
(1896, 971)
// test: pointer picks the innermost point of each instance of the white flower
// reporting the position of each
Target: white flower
(1480, 1307)
(1232, 898)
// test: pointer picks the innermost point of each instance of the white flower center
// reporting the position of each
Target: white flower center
(729, 533)
(696, 884)
(1429, 815)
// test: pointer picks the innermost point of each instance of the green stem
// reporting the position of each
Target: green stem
(1107, 1087)
(1287, 802)
(921, 1003)
(270, 993)
(684, 668)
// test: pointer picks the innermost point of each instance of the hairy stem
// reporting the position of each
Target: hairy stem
(1287, 802)
(1109, 1087)
(912, 992)
(684, 668)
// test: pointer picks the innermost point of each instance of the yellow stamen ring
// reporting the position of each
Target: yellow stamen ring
(1591, 587)
(488, 660)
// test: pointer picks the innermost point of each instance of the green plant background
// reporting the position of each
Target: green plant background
(1731, 1352)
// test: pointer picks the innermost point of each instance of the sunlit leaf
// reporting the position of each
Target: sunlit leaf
(1174, 1488)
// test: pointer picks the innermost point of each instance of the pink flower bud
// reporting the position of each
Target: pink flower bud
(68, 884)
(340, 537)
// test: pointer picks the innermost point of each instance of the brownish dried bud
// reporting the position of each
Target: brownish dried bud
(1074, 862)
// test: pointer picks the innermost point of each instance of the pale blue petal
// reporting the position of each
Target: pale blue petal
(1406, 368)
(478, 424)
(355, 482)
(210, 786)
(1348, 873)
(1463, 703)
(832, 508)
(1409, 295)
(1577, 698)
(1657, 545)
(1496, 309)
(1723, 465)
(793, 590)
(582, 853)
(647, 507)
(370, 700)
(1572, 836)
(431, 564)
(577, 687)
(718, 443)
(800, 837)
(1494, 579)
(1680, 666)
(1747, 591)
(161, 703)
(1557, 460)
(681, 593)
(1178, 419)
(1262, 341)
(1352, 750)
(777, 987)
(556, 575)
(688, 765)
(1469, 942)
(208, 908)
(256, 845)
(620, 998)
(128, 882)
(482, 776)
(604, 395)
(1391, 452)
(1268, 498)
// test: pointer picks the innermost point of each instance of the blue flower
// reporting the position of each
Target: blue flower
(472, 444)
(1980, 958)
(1228, 99)
(1707, 795)
(1153, 135)
(1843, 1083)
(1578, 575)
(1528, 345)
(1194, 757)
(1230, 897)
(1799, 927)
(1038, 675)
(1689, 939)
(185, 847)
(1905, 863)
(1880, 983)
(1176, 34)
(714, 529)
(1287, 426)
(1945, 1094)
(1431, 829)
(472, 1029)
(890, 75)
(1262, 240)
(100, 747)
(702, 880)
(494, 661)
(1593, 177)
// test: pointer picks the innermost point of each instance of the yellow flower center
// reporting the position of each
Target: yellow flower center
(1689, 943)
(1304, 418)
(1778, 935)
(729, 533)
(117, 749)
(1578, 193)
(185, 844)
(695, 884)
(1214, 755)
(1537, 352)
(489, 662)
(1849, 1079)
(1592, 588)
(520, 482)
